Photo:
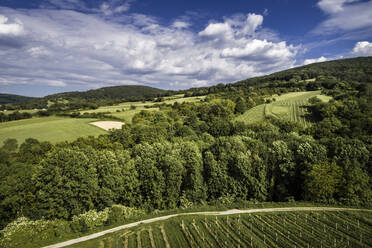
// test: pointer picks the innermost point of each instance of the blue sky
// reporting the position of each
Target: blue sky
(50, 46)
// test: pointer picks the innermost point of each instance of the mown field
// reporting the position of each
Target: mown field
(291, 106)
(127, 110)
(56, 129)
(270, 229)
(53, 129)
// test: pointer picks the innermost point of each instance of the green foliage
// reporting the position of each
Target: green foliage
(66, 183)
(89, 220)
(24, 232)
(120, 213)
(323, 182)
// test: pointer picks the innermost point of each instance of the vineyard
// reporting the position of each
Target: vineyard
(290, 106)
(271, 229)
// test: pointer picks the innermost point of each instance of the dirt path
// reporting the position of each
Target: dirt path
(227, 212)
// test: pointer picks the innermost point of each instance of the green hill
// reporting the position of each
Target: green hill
(309, 77)
(92, 98)
(10, 98)
(125, 92)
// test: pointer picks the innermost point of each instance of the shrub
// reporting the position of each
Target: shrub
(119, 213)
(89, 220)
(24, 232)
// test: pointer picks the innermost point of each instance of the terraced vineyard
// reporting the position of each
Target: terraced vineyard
(290, 106)
(270, 229)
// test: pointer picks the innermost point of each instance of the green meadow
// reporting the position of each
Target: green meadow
(127, 110)
(53, 129)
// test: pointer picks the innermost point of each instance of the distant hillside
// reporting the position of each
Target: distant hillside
(351, 70)
(354, 69)
(116, 92)
(10, 98)
(93, 98)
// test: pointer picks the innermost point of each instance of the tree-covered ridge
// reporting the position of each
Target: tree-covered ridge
(88, 99)
(309, 77)
(11, 99)
(125, 92)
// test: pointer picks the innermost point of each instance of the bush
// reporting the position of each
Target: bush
(24, 232)
(119, 213)
(89, 220)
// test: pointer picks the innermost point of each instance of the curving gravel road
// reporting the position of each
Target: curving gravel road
(227, 212)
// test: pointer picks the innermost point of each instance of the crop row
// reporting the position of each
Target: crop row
(285, 229)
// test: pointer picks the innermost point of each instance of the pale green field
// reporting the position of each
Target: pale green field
(124, 111)
(53, 129)
(290, 106)
(253, 115)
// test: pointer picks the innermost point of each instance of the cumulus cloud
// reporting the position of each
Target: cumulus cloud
(317, 60)
(362, 48)
(7, 28)
(345, 15)
(260, 49)
(79, 50)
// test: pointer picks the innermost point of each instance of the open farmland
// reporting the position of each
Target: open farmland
(261, 229)
(53, 129)
(290, 106)
(127, 110)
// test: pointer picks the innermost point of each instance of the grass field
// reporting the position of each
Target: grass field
(290, 106)
(124, 111)
(53, 129)
(272, 229)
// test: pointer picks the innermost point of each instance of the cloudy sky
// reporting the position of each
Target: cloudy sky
(50, 46)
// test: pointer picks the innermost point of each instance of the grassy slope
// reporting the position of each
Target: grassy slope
(53, 129)
(273, 229)
(290, 106)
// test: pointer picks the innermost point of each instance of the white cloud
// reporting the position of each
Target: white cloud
(9, 28)
(258, 49)
(216, 29)
(180, 24)
(317, 60)
(333, 6)
(78, 50)
(115, 7)
(362, 48)
(252, 23)
(38, 51)
(345, 17)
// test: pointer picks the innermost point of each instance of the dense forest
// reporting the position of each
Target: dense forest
(196, 153)
(11, 99)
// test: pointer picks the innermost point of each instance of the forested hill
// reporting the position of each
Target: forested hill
(115, 92)
(10, 98)
(354, 69)
(326, 73)
(90, 98)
